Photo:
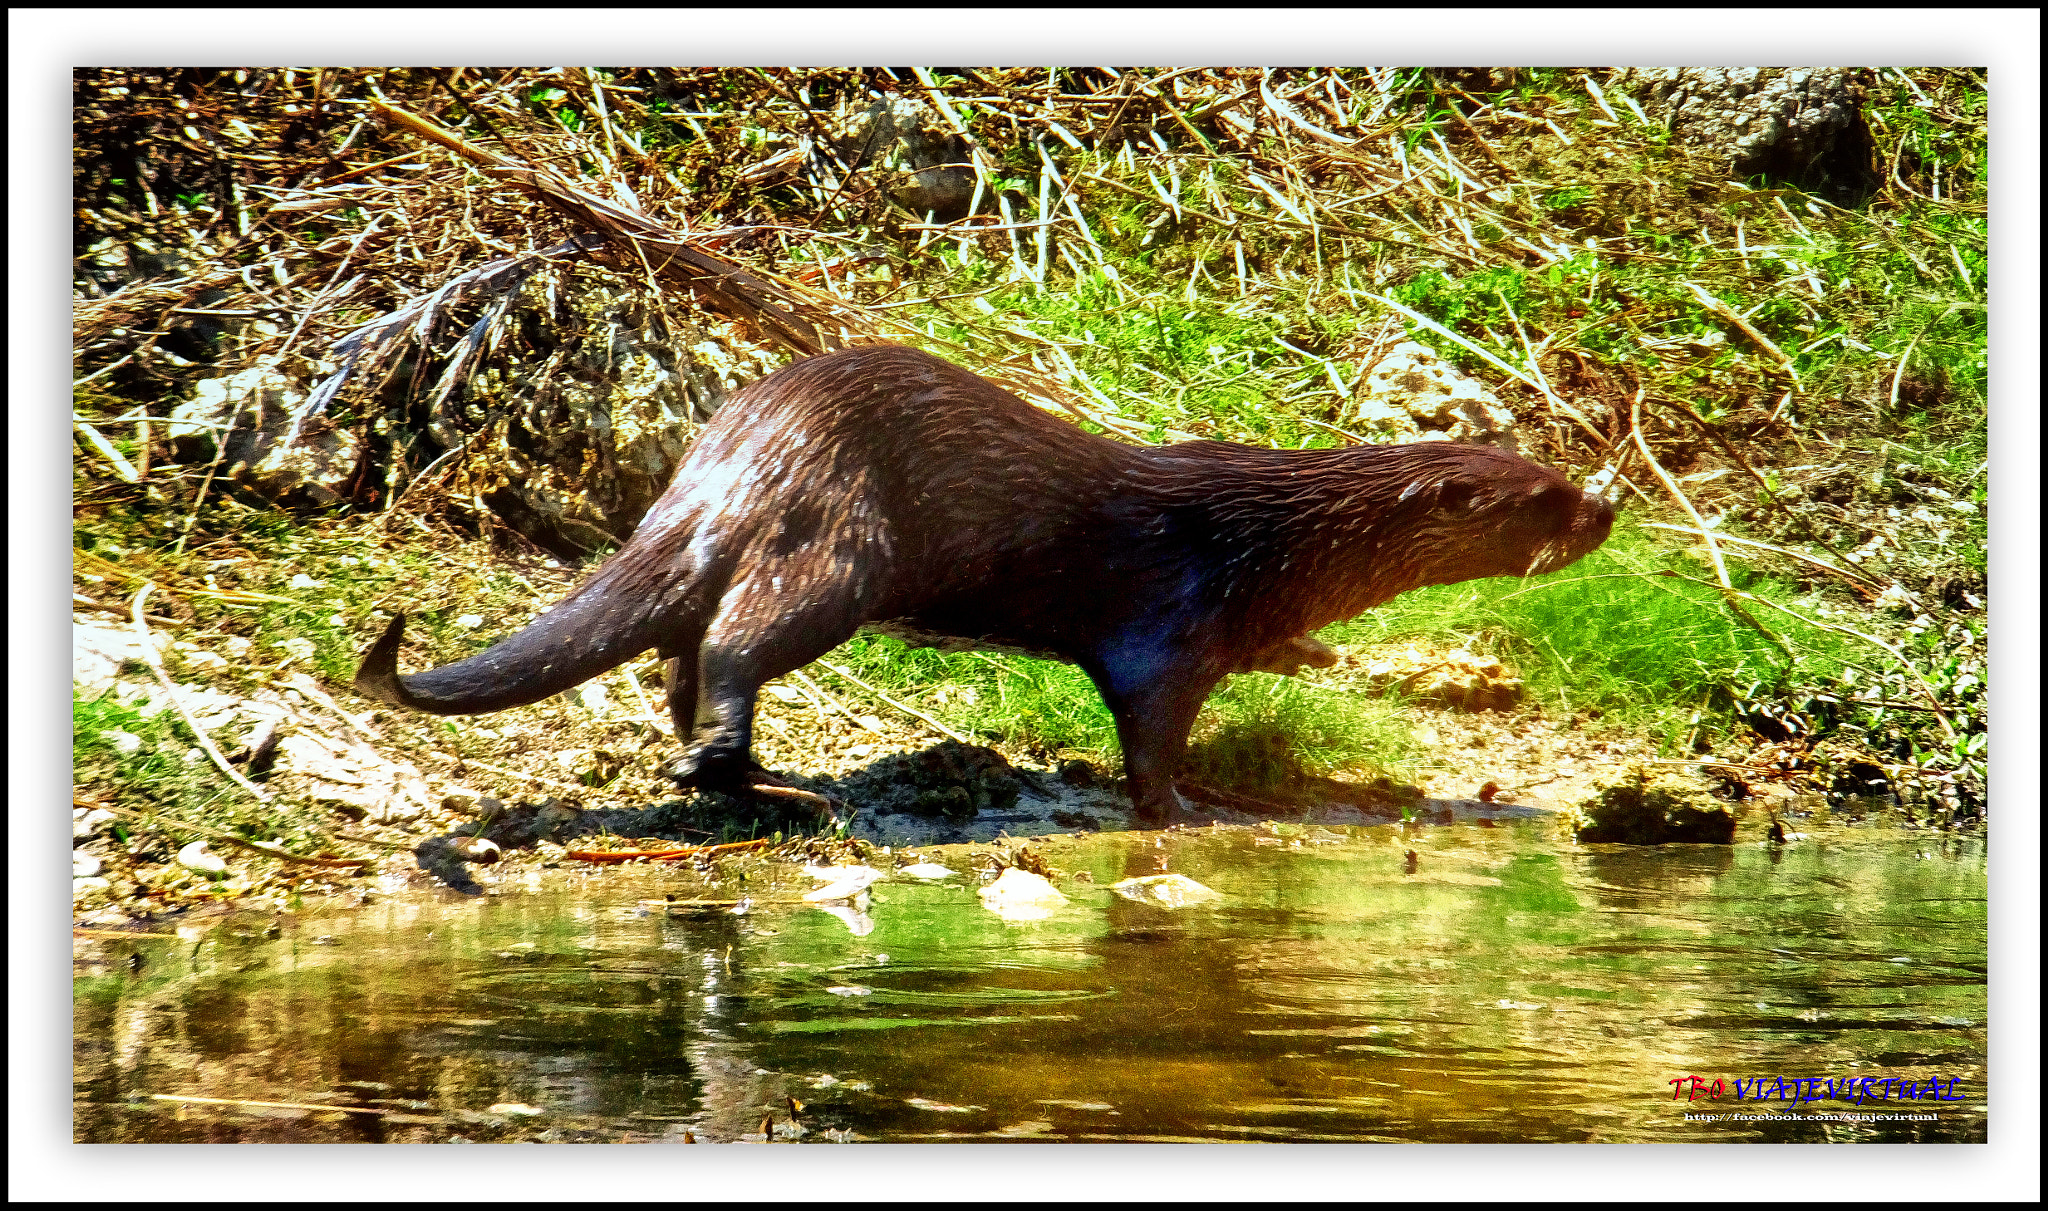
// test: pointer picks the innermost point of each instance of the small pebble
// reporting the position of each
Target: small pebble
(476, 849)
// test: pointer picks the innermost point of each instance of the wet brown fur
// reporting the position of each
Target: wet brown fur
(883, 486)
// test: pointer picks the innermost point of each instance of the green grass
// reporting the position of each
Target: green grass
(329, 576)
(1053, 710)
(1262, 731)
(158, 778)
(1611, 633)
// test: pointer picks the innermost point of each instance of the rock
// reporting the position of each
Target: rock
(1804, 125)
(1166, 891)
(1019, 895)
(125, 743)
(351, 778)
(1456, 678)
(1654, 811)
(592, 698)
(928, 871)
(959, 781)
(246, 417)
(1699, 826)
(953, 803)
(586, 425)
(481, 850)
(554, 819)
(83, 865)
(908, 135)
(100, 653)
(1079, 773)
(573, 428)
(1411, 394)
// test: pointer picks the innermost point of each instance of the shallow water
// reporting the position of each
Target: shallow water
(1503, 985)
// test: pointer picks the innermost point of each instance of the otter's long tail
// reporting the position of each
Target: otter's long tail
(572, 643)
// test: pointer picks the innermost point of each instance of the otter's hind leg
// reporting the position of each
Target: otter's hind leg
(680, 677)
(756, 635)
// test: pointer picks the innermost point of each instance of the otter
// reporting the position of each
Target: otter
(881, 486)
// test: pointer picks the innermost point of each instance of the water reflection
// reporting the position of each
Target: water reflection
(1498, 985)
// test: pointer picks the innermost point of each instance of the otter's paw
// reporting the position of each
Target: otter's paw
(1162, 810)
(709, 770)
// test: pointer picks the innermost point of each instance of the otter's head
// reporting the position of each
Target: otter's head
(1484, 512)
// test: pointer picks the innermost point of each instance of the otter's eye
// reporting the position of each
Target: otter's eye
(1552, 499)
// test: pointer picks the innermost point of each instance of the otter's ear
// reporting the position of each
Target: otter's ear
(1450, 492)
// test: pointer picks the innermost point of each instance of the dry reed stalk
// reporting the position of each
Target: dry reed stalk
(1855, 580)
(663, 725)
(1729, 594)
(156, 666)
(1762, 342)
(123, 469)
(1044, 215)
(671, 255)
(824, 700)
(907, 709)
(1865, 587)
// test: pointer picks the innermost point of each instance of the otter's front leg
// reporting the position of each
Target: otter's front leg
(1154, 699)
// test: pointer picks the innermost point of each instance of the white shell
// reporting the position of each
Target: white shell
(846, 882)
(197, 857)
(927, 870)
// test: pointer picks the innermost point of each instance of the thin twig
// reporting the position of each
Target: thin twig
(82, 602)
(1869, 589)
(1743, 326)
(1856, 580)
(238, 1101)
(662, 725)
(215, 834)
(122, 467)
(663, 855)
